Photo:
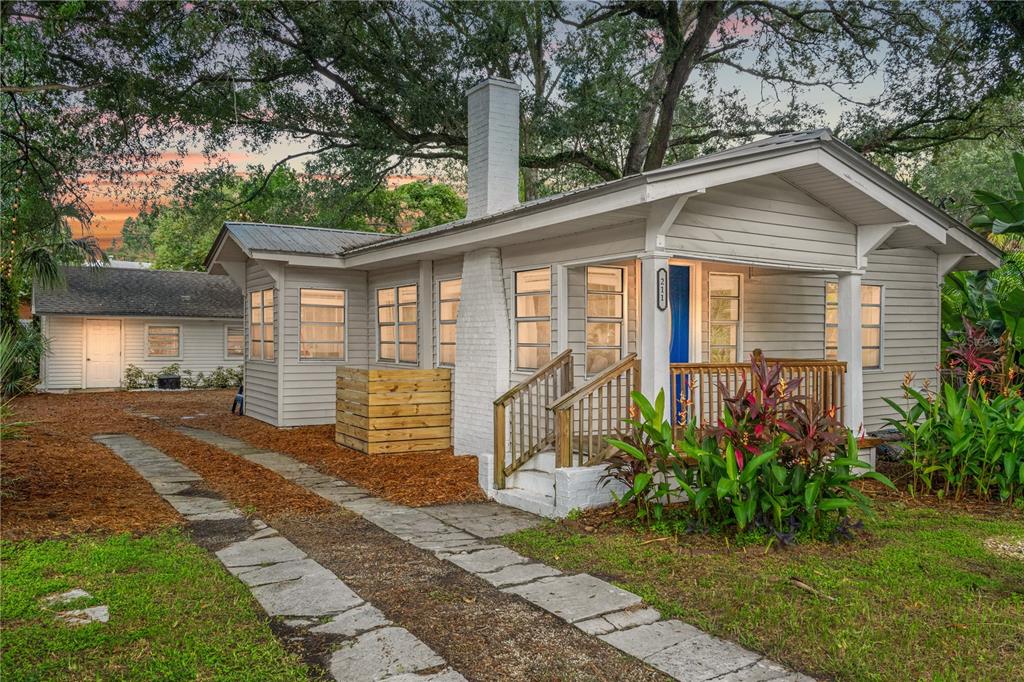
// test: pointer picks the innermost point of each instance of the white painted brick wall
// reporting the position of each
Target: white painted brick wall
(482, 352)
(493, 171)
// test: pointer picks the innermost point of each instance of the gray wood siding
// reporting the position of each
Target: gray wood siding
(766, 221)
(910, 308)
(309, 386)
(63, 362)
(261, 377)
(203, 347)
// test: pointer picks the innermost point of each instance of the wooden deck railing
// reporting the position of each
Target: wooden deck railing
(696, 386)
(523, 424)
(591, 413)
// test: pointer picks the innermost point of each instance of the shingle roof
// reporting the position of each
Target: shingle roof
(149, 293)
(320, 241)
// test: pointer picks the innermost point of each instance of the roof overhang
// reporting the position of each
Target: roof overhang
(909, 219)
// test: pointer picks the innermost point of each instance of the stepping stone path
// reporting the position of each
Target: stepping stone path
(458, 533)
(287, 583)
(93, 614)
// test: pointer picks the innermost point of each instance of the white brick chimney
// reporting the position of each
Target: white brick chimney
(493, 177)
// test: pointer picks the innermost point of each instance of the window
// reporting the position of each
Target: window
(396, 324)
(870, 323)
(321, 324)
(261, 325)
(449, 292)
(605, 288)
(831, 320)
(871, 326)
(234, 342)
(533, 318)
(163, 341)
(724, 298)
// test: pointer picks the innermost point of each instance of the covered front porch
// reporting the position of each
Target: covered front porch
(678, 325)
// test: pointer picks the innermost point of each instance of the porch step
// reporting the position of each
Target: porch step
(535, 503)
(534, 481)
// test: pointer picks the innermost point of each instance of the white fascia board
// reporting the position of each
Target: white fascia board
(479, 235)
(726, 171)
(301, 260)
(978, 245)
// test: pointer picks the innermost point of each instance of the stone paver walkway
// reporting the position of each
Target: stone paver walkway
(287, 583)
(459, 534)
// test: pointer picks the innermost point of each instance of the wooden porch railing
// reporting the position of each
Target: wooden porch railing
(697, 398)
(591, 413)
(523, 424)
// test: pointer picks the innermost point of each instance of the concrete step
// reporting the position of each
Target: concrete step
(534, 503)
(532, 480)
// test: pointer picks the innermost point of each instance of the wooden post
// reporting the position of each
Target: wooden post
(563, 438)
(499, 446)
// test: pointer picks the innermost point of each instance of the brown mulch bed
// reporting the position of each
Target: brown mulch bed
(417, 480)
(57, 481)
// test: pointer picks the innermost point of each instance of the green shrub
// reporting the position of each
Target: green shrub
(963, 441)
(774, 463)
(136, 377)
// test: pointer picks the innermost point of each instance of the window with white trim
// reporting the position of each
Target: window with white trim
(605, 309)
(533, 318)
(870, 324)
(724, 305)
(396, 324)
(163, 341)
(449, 294)
(261, 324)
(321, 324)
(234, 342)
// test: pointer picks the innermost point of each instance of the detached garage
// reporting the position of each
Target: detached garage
(107, 318)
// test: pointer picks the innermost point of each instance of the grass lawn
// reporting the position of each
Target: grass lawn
(175, 614)
(917, 597)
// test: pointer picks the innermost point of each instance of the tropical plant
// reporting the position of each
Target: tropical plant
(21, 349)
(643, 462)
(963, 441)
(1003, 215)
(774, 462)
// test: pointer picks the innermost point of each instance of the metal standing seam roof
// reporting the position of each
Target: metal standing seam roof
(99, 290)
(299, 239)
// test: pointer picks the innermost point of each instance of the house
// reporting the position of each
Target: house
(550, 311)
(108, 318)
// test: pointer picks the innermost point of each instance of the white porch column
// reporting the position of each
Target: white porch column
(850, 349)
(655, 328)
(425, 314)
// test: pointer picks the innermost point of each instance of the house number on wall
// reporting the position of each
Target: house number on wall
(662, 289)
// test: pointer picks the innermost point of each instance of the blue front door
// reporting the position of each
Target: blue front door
(679, 349)
(679, 300)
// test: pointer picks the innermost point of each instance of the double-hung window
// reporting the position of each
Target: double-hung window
(870, 324)
(533, 318)
(605, 308)
(396, 324)
(449, 293)
(321, 324)
(261, 324)
(163, 341)
(724, 300)
(234, 342)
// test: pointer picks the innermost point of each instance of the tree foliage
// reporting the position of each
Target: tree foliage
(178, 233)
